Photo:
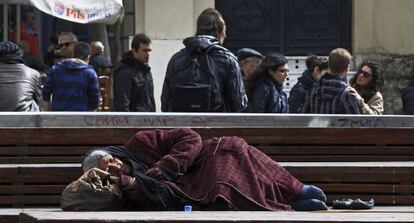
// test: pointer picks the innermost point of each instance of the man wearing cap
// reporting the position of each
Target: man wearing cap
(19, 84)
(249, 60)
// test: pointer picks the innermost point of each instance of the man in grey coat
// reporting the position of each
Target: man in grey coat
(19, 84)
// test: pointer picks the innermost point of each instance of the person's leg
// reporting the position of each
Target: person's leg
(309, 205)
(311, 192)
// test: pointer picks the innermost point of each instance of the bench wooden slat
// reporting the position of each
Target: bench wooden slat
(337, 150)
(339, 158)
(40, 160)
(31, 189)
(50, 150)
(73, 154)
(205, 217)
(366, 188)
(23, 200)
(259, 136)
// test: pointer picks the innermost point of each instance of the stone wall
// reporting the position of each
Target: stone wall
(396, 71)
(383, 26)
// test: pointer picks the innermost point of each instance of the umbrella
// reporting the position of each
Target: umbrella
(80, 11)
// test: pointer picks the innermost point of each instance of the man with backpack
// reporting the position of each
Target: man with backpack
(204, 76)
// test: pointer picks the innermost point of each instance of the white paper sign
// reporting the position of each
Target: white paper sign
(80, 11)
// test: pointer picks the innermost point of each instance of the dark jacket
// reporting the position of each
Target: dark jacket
(73, 86)
(268, 97)
(300, 92)
(19, 88)
(133, 86)
(228, 94)
(99, 60)
(331, 95)
(408, 99)
(206, 170)
(31, 62)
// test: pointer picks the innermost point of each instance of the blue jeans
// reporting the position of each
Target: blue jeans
(310, 198)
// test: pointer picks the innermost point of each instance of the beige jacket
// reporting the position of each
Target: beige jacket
(375, 105)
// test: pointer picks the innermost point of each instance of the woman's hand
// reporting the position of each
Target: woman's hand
(358, 97)
(352, 90)
(155, 172)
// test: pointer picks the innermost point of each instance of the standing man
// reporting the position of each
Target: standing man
(331, 94)
(204, 76)
(99, 60)
(29, 34)
(67, 42)
(133, 86)
(72, 83)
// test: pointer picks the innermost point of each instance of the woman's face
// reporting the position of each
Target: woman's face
(280, 74)
(364, 76)
(249, 65)
(114, 166)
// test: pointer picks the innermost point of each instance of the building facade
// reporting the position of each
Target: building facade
(380, 30)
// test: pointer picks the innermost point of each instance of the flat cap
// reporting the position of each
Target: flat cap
(245, 53)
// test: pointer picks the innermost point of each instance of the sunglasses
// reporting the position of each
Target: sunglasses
(364, 74)
(63, 45)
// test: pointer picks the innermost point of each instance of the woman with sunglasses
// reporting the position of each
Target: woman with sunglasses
(267, 95)
(366, 86)
(316, 68)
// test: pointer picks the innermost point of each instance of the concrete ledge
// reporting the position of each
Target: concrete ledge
(197, 120)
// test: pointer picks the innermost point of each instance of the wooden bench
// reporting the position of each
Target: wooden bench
(321, 150)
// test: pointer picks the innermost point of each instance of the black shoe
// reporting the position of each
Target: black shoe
(342, 204)
(358, 204)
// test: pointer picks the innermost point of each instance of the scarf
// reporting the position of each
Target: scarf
(156, 191)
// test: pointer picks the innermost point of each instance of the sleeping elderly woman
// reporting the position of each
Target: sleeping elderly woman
(166, 169)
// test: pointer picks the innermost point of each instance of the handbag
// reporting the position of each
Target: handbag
(93, 191)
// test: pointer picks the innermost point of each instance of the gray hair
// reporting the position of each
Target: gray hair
(92, 159)
(98, 45)
(72, 35)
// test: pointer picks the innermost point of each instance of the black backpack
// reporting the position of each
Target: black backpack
(193, 85)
